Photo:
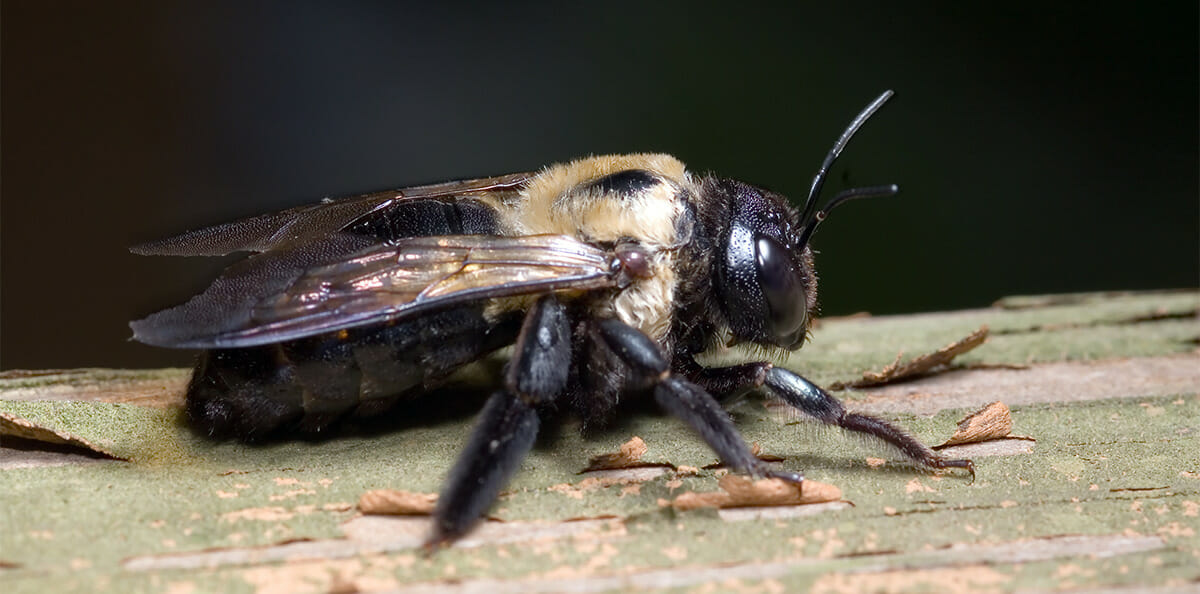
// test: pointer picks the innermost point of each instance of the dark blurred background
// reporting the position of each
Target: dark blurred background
(1048, 149)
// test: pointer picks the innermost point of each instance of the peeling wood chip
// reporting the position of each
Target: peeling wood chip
(990, 422)
(693, 500)
(397, 503)
(629, 456)
(739, 491)
(12, 426)
(993, 421)
(921, 365)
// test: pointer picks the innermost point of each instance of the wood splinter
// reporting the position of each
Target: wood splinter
(993, 421)
(740, 491)
(392, 502)
(923, 364)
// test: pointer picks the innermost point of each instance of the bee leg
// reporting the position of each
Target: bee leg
(508, 424)
(503, 436)
(812, 400)
(686, 400)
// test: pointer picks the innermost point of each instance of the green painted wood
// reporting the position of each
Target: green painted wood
(1108, 496)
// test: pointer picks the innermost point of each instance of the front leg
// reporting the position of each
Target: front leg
(684, 399)
(819, 404)
(508, 424)
(810, 399)
(723, 382)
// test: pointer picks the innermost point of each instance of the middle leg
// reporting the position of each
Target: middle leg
(685, 400)
(508, 424)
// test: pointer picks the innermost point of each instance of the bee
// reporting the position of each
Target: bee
(608, 276)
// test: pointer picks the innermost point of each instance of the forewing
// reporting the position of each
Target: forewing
(380, 283)
(306, 223)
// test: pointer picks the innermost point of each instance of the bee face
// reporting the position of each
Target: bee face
(764, 277)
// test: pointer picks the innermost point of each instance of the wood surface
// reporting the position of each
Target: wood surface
(103, 487)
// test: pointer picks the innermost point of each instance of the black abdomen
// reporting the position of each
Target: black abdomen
(306, 385)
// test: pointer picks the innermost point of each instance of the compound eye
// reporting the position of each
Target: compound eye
(781, 286)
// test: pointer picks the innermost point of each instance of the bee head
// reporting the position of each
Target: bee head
(765, 278)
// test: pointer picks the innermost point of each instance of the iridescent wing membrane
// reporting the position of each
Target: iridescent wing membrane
(314, 277)
(313, 221)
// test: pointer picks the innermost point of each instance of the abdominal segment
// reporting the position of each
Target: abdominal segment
(306, 385)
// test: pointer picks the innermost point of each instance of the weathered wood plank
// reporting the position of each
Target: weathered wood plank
(1108, 495)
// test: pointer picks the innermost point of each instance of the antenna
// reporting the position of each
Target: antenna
(811, 219)
(844, 196)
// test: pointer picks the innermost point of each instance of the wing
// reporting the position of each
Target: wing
(329, 285)
(306, 223)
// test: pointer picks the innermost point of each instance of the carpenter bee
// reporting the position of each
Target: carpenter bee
(609, 276)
